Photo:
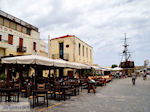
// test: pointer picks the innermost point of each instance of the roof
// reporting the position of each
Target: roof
(17, 20)
(66, 36)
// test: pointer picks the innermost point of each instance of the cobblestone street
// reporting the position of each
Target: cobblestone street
(117, 96)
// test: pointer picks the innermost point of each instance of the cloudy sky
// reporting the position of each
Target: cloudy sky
(100, 23)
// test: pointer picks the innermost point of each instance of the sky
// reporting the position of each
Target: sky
(100, 23)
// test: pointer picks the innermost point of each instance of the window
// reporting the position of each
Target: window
(91, 54)
(6, 22)
(13, 25)
(24, 30)
(10, 39)
(28, 31)
(0, 37)
(79, 48)
(21, 42)
(1, 21)
(87, 52)
(67, 45)
(34, 46)
(19, 28)
(61, 50)
(83, 50)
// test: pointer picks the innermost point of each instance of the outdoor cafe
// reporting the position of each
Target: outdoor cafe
(20, 82)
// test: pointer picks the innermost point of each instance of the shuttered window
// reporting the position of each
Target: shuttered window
(87, 52)
(19, 28)
(79, 48)
(24, 29)
(21, 42)
(0, 37)
(13, 25)
(6, 23)
(83, 50)
(1, 21)
(10, 39)
(34, 46)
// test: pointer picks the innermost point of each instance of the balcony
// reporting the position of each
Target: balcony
(21, 49)
(58, 56)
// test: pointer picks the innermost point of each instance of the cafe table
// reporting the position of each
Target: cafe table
(9, 92)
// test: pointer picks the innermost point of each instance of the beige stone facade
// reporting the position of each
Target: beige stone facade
(74, 49)
(18, 37)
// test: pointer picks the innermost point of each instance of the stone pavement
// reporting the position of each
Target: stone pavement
(117, 96)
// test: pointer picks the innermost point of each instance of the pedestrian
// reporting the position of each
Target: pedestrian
(144, 75)
(120, 75)
(133, 78)
(91, 85)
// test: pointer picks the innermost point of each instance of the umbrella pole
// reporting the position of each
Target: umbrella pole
(20, 75)
(8, 73)
(35, 82)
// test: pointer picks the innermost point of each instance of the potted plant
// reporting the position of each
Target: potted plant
(3, 76)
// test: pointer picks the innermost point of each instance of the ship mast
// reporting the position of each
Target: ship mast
(126, 63)
(126, 54)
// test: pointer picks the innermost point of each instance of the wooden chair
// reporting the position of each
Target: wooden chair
(71, 88)
(41, 87)
(23, 91)
(2, 94)
(59, 93)
(17, 86)
(32, 99)
(50, 89)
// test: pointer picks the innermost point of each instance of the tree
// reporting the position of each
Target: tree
(114, 66)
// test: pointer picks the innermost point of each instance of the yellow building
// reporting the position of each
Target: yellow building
(17, 37)
(71, 48)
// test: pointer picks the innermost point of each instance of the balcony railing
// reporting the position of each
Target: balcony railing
(65, 56)
(21, 49)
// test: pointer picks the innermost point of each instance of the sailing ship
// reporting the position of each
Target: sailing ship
(126, 61)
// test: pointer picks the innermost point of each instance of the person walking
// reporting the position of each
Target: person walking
(144, 75)
(120, 75)
(91, 85)
(133, 78)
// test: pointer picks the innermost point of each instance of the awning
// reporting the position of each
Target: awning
(105, 69)
(60, 63)
(96, 67)
(29, 59)
(40, 60)
(80, 66)
(116, 69)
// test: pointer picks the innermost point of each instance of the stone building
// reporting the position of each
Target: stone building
(17, 37)
(71, 48)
